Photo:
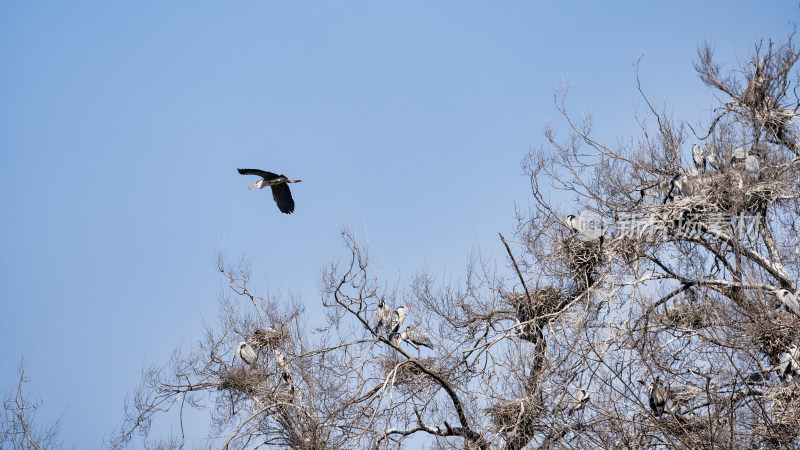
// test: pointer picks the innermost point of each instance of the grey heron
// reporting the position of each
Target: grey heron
(752, 167)
(397, 318)
(711, 157)
(684, 185)
(415, 336)
(574, 223)
(789, 367)
(739, 155)
(788, 299)
(279, 184)
(247, 353)
(285, 373)
(699, 157)
(381, 315)
(656, 396)
(577, 401)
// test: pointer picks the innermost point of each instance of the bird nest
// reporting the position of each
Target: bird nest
(248, 381)
(774, 338)
(582, 257)
(518, 413)
(269, 338)
(541, 303)
(786, 407)
(407, 372)
(694, 316)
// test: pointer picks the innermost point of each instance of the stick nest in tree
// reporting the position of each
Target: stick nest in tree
(514, 413)
(582, 257)
(245, 380)
(269, 338)
(408, 372)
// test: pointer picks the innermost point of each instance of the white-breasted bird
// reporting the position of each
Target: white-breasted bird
(656, 396)
(397, 318)
(279, 184)
(415, 336)
(247, 353)
(699, 157)
(381, 316)
(788, 299)
(789, 367)
(752, 167)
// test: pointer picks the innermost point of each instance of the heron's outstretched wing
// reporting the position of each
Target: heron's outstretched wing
(262, 173)
(283, 197)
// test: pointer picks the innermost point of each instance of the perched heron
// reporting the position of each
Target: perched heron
(247, 353)
(577, 401)
(752, 167)
(285, 374)
(397, 318)
(415, 336)
(739, 155)
(788, 299)
(656, 396)
(574, 223)
(666, 187)
(279, 185)
(711, 157)
(789, 367)
(699, 157)
(381, 316)
(684, 186)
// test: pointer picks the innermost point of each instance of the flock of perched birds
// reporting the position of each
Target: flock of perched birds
(684, 184)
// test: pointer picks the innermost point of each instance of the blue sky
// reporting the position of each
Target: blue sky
(122, 125)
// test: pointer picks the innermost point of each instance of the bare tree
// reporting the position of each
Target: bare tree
(652, 316)
(20, 428)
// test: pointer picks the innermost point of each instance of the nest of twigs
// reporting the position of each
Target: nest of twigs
(408, 372)
(269, 338)
(786, 408)
(248, 381)
(536, 311)
(774, 338)
(519, 413)
(582, 258)
(690, 315)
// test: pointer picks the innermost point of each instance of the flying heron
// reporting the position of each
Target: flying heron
(415, 336)
(279, 185)
(699, 157)
(247, 353)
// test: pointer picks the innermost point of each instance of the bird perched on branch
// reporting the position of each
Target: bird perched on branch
(789, 300)
(699, 157)
(397, 318)
(752, 167)
(279, 184)
(381, 316)
(789, 367)
(247, 353)
(656, 396)
(415, 336)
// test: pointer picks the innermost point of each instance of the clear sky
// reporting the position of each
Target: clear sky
(122, 125)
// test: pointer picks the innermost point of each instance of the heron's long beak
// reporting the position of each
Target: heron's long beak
(295, 181)
(254, 185)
